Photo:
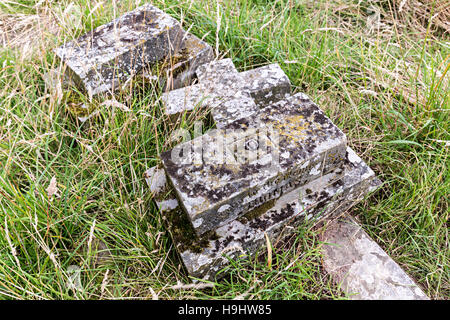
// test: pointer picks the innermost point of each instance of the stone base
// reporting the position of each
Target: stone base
(322, 198)
(219, 176)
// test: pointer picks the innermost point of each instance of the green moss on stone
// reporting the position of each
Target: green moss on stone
(183, 232)
(257, 212)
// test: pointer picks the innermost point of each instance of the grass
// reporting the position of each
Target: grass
(380, 77)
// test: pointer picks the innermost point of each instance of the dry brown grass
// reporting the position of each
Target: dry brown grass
(402, 26)
(420, 13)
(27, 31)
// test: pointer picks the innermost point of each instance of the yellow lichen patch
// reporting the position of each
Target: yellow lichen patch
(235, 168)
(294, 128)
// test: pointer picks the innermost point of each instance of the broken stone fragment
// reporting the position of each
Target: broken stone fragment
(362, 268)
(156, 179)
(217, 71)
(172, 74)
(231, 96)
(108, 55)
(220, 89)
(178, 71)
(225, 173)
(322, 198)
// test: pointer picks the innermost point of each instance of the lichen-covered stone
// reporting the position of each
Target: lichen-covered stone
(324, 197)
(223, 174)
(231, 96)
(219, 88)
(267, 84)
(362, 268)
(217, 71)
(176, 72)
(99, 60)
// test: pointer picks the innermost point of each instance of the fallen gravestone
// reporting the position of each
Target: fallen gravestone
(274, 162)
(324, 197)
(332, 189)
(230, 95)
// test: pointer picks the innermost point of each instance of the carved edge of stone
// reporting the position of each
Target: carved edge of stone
(363, 269)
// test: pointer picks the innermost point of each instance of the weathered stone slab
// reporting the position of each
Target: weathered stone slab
(176, 72)
(218, 71)
(99, 60)
(223, 174)
(230, 95)
(222, 84)
(364, 270)
(325, 197)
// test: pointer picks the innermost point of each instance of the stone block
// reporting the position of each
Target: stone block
(225, 173)
(217, 72)
(219, 89)
(325, 197)
(99, 60)
(267, 84)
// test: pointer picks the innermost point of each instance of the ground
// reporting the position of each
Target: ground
(69, 190)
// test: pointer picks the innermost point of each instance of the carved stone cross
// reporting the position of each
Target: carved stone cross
(230, 95)
(212, 210)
